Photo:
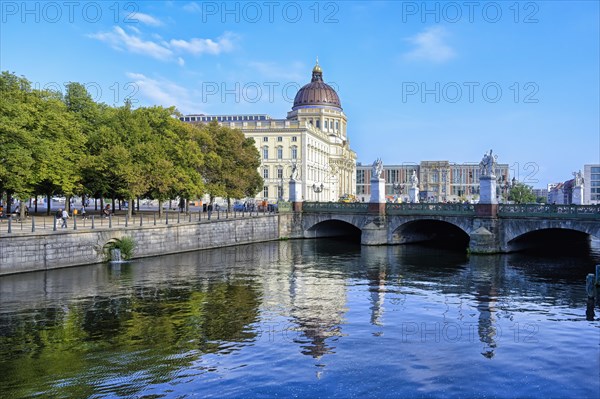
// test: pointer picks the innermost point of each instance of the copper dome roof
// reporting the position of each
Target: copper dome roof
(316, 92)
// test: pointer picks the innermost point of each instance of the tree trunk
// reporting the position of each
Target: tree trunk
(160, 208)
(22, 206)
(113, 205)
(9, 200)
(48, 203)
(130, 207)
(68, 203)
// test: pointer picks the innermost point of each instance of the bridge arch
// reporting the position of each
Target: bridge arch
(444, 232)
(333, 227)
(524, 234)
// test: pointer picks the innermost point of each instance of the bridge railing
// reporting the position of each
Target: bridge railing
(336, 207)
(430, 209)
(550, 211)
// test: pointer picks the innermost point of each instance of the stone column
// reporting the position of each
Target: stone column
(413, 194)
(577, 195)
(377, 191)
(487, 190)
(295, 187)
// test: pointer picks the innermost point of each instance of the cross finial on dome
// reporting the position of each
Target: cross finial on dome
(317, 68)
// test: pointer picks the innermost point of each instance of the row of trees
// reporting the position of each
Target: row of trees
(67, 144)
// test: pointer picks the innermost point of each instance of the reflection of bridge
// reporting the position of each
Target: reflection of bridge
(483, 228)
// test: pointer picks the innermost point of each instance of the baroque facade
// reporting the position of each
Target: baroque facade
(439, 181)
(313, 136)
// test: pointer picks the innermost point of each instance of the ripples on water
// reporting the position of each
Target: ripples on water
(316, 318)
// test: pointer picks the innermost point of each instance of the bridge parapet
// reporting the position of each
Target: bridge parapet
(336, 207)
(431, 209)
(586, 212)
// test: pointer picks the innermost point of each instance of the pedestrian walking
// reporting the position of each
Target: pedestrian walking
(64, 216)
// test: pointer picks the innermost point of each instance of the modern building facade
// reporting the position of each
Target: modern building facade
(313, 136)
(591, 184)
(439, 181)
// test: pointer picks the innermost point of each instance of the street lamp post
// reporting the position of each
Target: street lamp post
(317, 189)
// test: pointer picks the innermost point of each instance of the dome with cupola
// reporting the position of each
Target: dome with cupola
(316, 93)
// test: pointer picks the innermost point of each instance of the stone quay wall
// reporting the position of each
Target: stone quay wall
(52, 250)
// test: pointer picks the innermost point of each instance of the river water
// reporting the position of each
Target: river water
(310, 318)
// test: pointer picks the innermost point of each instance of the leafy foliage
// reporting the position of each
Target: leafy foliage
(520, 193)
(52, 144)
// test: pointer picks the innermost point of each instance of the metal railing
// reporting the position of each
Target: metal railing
(45, 224)
(445, 209)
(335, 207)
(550, 211)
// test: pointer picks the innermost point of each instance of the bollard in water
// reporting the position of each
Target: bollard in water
(93, 222)
(33, 224)
(74, 222)
(590, 286)
(597, 274)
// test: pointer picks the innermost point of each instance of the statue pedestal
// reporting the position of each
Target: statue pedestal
(413, 195)
(377, 191)
(487, 190)
(295, 191)
(577, 195)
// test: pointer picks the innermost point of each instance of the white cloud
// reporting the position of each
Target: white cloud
(146, 19)
(121, 40)
(163, 92)
(180, 61)
(162, 49)
(430, 46)
(192, 7)
(197, 46)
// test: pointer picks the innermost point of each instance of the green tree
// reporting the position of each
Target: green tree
(237, 176)
(521, 193)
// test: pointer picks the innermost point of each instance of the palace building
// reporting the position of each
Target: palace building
(439, 181)
(313, 136)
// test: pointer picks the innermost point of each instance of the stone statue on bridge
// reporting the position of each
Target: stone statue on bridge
(377, 169)
(414, 180)
(294, 174)
(578, 179)
(488, 164)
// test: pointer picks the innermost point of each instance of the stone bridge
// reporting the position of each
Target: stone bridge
(483, 228)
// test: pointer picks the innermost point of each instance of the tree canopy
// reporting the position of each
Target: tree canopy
(69, 144)
(520, 193)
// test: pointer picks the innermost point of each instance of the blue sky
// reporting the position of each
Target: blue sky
(417, 80)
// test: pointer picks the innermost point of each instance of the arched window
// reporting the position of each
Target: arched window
(294, 152)
(265, 152)
(279, 152)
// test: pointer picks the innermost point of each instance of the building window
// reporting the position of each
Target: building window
(337, 125)
(294, 139)
(280, 192)
(279, 138)
(318, 123)
(280, 172)
(265, 152)
(595, 169)
(265, 173)
(279, 152)
(265, 139)
(266, 191)
(326, 124)
(294, 152)
(360, 176)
